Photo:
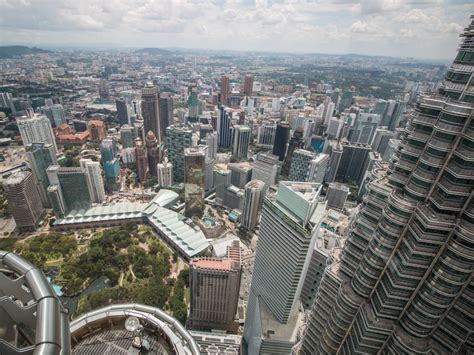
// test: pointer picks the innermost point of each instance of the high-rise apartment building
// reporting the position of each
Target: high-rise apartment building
(403, 284)
(284, 248)
(225, 90)
(214, 289)
(254, 193)
(178, 137)
(241, 141)
(282, 136)
(40, 157)
(151, 110)
(94, 179)
(248, 85)
(24, 201)
(36, 130)
(194, 180)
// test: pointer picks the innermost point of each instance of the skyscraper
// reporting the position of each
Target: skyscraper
(166, 112)
(94, 179)
(214, 289)
(281, 139)
(241, 141)
(123, 111)
(194, 161)
(127, 134)
(266, 168)
(403, 283)
(140, 158)
(318, 168)
(284, 248)
(40, 157)
(193, 104)
(225, 90)
(254, 193)
(36, 130)
(224, 119)
(152, 152)
(300, 164)
(335, 159)
(346, 100)
(178, 137)
(364, 128)
(58, 114)
(353, 162)
(296, 142)
(266, 134)
(24, 201)
(248, 85)
(211, 142)
(151, 110)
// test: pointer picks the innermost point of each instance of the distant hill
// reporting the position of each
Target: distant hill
(154, 51)
(15, 51)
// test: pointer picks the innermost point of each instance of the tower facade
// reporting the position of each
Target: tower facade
(248, 85)
(153, 153)
(151, 110)
(24, 201)
(94, 180)
(194, 180)
(403, 283)
(282, 136)
(241, 141)
(178, 138)
(140, 158)
(224, 119)
(166, 112)
(225, 89)
(284, 249)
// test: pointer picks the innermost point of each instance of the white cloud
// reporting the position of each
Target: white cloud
(335, 26)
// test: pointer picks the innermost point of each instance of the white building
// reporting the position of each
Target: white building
(241, 141)
(266, 134)
(211, 142)
(95, 183)
(36, 130)
(317, 168)
(165, 173)
(266, 168)
(253, 197)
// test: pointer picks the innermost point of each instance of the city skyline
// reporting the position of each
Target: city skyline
(427, 29)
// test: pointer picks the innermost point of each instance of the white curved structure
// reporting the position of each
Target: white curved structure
(154, 319)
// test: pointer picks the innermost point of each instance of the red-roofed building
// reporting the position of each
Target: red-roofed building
(214, 289)
(73, 139)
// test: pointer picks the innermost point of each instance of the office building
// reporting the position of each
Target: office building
(403, 284)
(70, 190)
(296, 142)
(128, 157)
(392, 146)
(222, 177)
(178, 138)
(266, 168)
(36, 130)
(24, 201)
(381, 139)
(282, 136)
(353, 163)
(112, 174)
(318, 168)
(266, 135)
(94, 179)
(40, 157)
(334, 129)
(364, 128)
(211, 142)
(224, 119)
(214, 290)
(284, 248)
(140, 158)
(248, 85)
(127, 136)
(336, 195)
(328, 111)
(346, 100)
(97, 130)
(152, 152)
(123, 112)
(193, 104)
(241, 141)
(194, 184)
(225, 90)
(233, 198)
(241, 173)
(165, 173)
(299, 170)
(253, 198)
(335, 159)
(151, 111)
(103, 89)
(58, 115)
(166, 112)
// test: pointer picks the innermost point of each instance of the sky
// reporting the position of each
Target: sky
(426, 29)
